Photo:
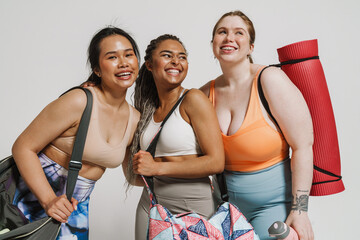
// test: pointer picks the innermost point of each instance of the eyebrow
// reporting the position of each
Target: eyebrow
(237, 28)
(114, 52)
(168, 51)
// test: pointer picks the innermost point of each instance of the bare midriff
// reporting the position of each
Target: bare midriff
(88, 170)
(175, 158)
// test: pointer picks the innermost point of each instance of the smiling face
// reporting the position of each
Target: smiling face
(118, 64)
(168, 63)
(231, 41)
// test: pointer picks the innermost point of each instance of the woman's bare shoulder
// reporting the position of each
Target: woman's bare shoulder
(75, 98)
(205, 88)
(136, 114)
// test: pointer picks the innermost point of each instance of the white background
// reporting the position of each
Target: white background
(43, 52)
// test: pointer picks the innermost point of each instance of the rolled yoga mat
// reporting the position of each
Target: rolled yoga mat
(308, 75)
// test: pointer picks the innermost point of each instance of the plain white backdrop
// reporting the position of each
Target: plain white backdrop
(43, 53)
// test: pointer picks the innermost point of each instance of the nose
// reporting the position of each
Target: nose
(175, 60)
(230, 37)
(123, 63)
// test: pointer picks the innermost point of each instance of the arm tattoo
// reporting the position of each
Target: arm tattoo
(300, 203)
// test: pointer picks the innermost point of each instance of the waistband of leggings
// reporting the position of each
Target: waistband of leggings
(46, 160)
(284, 162)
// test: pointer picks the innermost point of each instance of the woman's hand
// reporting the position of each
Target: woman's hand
(60, 208)
(144, 164)
(301, 223)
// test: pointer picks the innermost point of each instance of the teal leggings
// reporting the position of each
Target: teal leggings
(263, 196)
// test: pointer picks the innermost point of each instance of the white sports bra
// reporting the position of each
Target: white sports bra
(176, 139)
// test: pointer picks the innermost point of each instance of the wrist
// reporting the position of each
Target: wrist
(300, 201)
(46, 200)
(297, 213)
(159, 169)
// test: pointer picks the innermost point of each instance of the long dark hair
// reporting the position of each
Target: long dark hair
(94, 49)
(146, 98)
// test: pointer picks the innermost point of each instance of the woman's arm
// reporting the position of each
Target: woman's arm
(199, 112)
(59, 117)
(292, 114)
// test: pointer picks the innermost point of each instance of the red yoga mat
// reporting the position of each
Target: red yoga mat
(309, 77)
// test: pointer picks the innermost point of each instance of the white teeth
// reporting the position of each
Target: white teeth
(123, 74)
(228, 48)
(173, 71)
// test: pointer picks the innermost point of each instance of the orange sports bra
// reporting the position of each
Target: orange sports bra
(255, 145)
(97, 150)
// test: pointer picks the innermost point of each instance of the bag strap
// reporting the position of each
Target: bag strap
(267, 108)
(221, 180)
(75, 163)
(149, 182)
(25, 231)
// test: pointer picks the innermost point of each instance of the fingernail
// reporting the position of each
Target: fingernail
(75, 207)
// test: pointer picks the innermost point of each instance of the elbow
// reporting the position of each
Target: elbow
(20, 148)
(218, 170)
(303, 154)
(218, 165)
(304, 146)
(16, 151)
(16, 148)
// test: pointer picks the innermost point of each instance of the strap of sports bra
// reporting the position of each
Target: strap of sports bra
(261, 92)
(263, 99)
(267, 108)
(152, 147)
(79, 143)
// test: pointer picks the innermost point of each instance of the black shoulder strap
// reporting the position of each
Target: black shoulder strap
(78, 148)
(48, 223)
(222, 187)
(293, 61)
(261, 92)
(263, 99)
(152, 147)
(267, 108)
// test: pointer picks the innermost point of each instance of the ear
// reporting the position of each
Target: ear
(251, 49)
(148, 65)
(97, 71)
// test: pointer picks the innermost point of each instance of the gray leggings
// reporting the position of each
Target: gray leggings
(263, 196)
(177, 195)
